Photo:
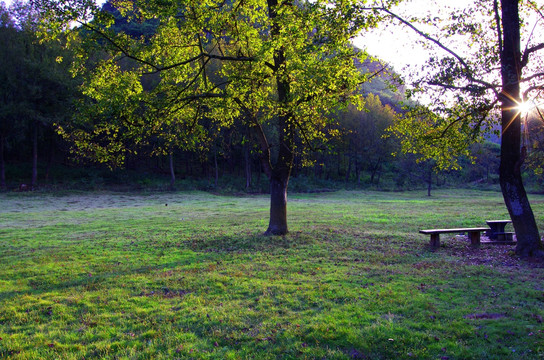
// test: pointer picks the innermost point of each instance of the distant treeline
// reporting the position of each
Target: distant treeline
(38, 92)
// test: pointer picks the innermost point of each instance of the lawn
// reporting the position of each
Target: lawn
(188, 275)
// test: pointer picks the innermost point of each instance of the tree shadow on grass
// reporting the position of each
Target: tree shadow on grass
(246, 243)
(203, 248)
(93, 282)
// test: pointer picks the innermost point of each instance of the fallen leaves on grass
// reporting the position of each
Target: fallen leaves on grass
(165, 293)
(491, 255)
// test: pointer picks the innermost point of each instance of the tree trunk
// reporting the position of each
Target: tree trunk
(188, 162)
(34, 181)
(279, 172)
(348, 172)
(357, 171)
(278, 207)
(2, 163)
(247, 159)
(216, 169)
(512, 155)
(428, 179)
(172, 172)
(51, 158)
(259, 173)
(375, 168)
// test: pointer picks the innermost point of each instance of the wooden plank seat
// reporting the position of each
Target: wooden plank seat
(473, 234)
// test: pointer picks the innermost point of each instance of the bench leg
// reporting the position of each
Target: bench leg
(435, 240)
(474, 239)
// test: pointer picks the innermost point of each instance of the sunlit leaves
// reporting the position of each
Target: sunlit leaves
(215, 60)
(430, 136)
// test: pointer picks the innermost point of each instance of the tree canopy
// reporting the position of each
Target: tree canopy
(279, 66)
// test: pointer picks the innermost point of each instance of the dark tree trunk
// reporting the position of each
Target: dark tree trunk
(247, 159)
(259, 173)
(348, 172)
(2, 163)
(34, 181)
(188, 162)
(375, 170)
(358, 171)
(172, 172)
(278, 207)
(51, 158)
(318, 168)
(512, 155)
(216, 169)
(427, 177)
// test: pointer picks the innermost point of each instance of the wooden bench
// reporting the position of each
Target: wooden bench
(473, 234)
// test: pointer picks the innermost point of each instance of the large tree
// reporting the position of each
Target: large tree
(482, 78)
(279, 66)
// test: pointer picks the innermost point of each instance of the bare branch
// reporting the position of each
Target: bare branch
(535, 8)
(534, 76)
(532, 88)
(443, 47)
(467, 88)
(428, 37)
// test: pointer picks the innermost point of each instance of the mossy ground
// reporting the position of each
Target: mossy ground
(190, 275)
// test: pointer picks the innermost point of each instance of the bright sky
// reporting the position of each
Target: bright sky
(397, 44)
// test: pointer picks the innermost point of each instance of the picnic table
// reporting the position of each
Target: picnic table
(496, 230)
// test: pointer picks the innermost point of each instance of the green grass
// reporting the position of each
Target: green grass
(189, 276)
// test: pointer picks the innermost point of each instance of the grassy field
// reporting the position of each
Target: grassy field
(189, 276)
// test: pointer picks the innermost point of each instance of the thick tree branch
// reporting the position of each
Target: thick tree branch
(158, 68)
(529, 51)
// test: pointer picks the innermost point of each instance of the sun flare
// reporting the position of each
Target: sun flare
(525, 107)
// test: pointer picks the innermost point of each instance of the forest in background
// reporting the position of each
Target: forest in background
(38, 92)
